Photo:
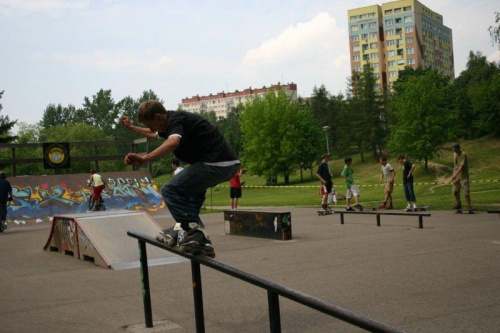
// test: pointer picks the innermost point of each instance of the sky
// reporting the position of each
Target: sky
(60, 51)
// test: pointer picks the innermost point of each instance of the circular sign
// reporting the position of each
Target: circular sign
(56, 155)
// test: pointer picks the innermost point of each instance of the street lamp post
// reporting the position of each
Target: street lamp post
(325, 129)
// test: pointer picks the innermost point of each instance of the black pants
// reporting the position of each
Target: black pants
(3, 210)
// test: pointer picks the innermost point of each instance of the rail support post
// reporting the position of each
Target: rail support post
(341, 218)
(146, 295)
(378, 220)
(198, 297)
(420, 221)
(274, 312)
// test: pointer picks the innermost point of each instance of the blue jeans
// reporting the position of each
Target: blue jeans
(409, 193)
(184, 194)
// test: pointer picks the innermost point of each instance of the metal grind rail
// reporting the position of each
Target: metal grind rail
(274, 290)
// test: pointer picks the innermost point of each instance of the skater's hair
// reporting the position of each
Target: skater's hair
(401, 157)
(3, 174)
(148, 110)
(92, 170)
(348, 159)
(176, 162)
(325, 155)
(383, 158)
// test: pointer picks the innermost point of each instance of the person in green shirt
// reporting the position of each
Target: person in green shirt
(352, 189)
(460, 177)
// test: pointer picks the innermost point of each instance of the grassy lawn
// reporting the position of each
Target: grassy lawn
(432, 188)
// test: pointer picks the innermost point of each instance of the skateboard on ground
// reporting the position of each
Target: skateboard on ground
(464, 211)
(3, 226)
(420, 208)
(322, 212)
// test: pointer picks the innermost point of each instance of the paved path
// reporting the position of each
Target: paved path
(443, 278)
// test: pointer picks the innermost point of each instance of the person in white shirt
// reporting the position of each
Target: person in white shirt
(176, 165)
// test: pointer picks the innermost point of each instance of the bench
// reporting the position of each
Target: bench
(494, 211)
(377, 213)
(273, 225)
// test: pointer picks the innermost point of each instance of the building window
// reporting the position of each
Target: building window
(373, 35)
(357, 68)
(376, 75)
(388, 12)
(390, 32)
(408, 29)
(354, 28)
(355, 48)
(410, 50)
(371, 14)
(373, 45)
(373, 25)
(356, 58)
(389, 22)
(373, 55)
(355, 38)
(391, 42)
(364, 25)
(410, 61)
(393, 74)
(407, 9)
(408, 19)
(391, 53)
(409, 40)
(392, 63)
(364, 36)
(397, 10)
(398, 20)
(375, 65)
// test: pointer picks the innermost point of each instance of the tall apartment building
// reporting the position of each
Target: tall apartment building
(396, 35)
(222, 102)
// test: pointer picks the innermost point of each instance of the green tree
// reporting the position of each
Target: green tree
(6, 126)
(309, 147)
(421, 115)
(366, 112)
(495, 30)
(270, 132)
(57, 115)
(231, 129)
(28, 133)
(100, 112)
(475, 83)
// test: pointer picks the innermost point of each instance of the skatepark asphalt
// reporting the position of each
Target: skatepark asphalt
(442, 278)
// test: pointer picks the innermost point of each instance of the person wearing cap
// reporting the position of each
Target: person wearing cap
(325, 177)
(5, 196)
(460, 176)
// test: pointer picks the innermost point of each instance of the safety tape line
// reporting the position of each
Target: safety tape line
(370, 185)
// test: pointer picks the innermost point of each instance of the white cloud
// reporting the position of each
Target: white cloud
(43, 5)
(312, 53)
(107, 60)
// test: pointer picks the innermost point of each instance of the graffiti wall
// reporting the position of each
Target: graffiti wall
(39, 197)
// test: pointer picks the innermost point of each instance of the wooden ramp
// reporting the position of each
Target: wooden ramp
(101, 237)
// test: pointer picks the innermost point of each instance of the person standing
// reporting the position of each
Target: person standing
(193, 140)
(352, 189)
(99, 185)
(408, 169)
(387, 176)
(325, 177)
(5, 197)
(176, 165)
(460, 176)
(235, 188)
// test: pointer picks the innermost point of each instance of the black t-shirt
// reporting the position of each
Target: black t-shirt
(5, 189)
(324, 172)
(406, 170)
(200, 140)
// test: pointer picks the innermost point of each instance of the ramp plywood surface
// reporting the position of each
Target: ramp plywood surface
(102, 236)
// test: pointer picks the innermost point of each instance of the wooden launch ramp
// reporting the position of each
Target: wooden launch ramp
(101, 237)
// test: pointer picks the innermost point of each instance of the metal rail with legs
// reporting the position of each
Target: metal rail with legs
(274, 290)
(419, 215)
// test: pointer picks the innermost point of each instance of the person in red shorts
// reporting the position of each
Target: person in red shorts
(235, 188)
(99, 185)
